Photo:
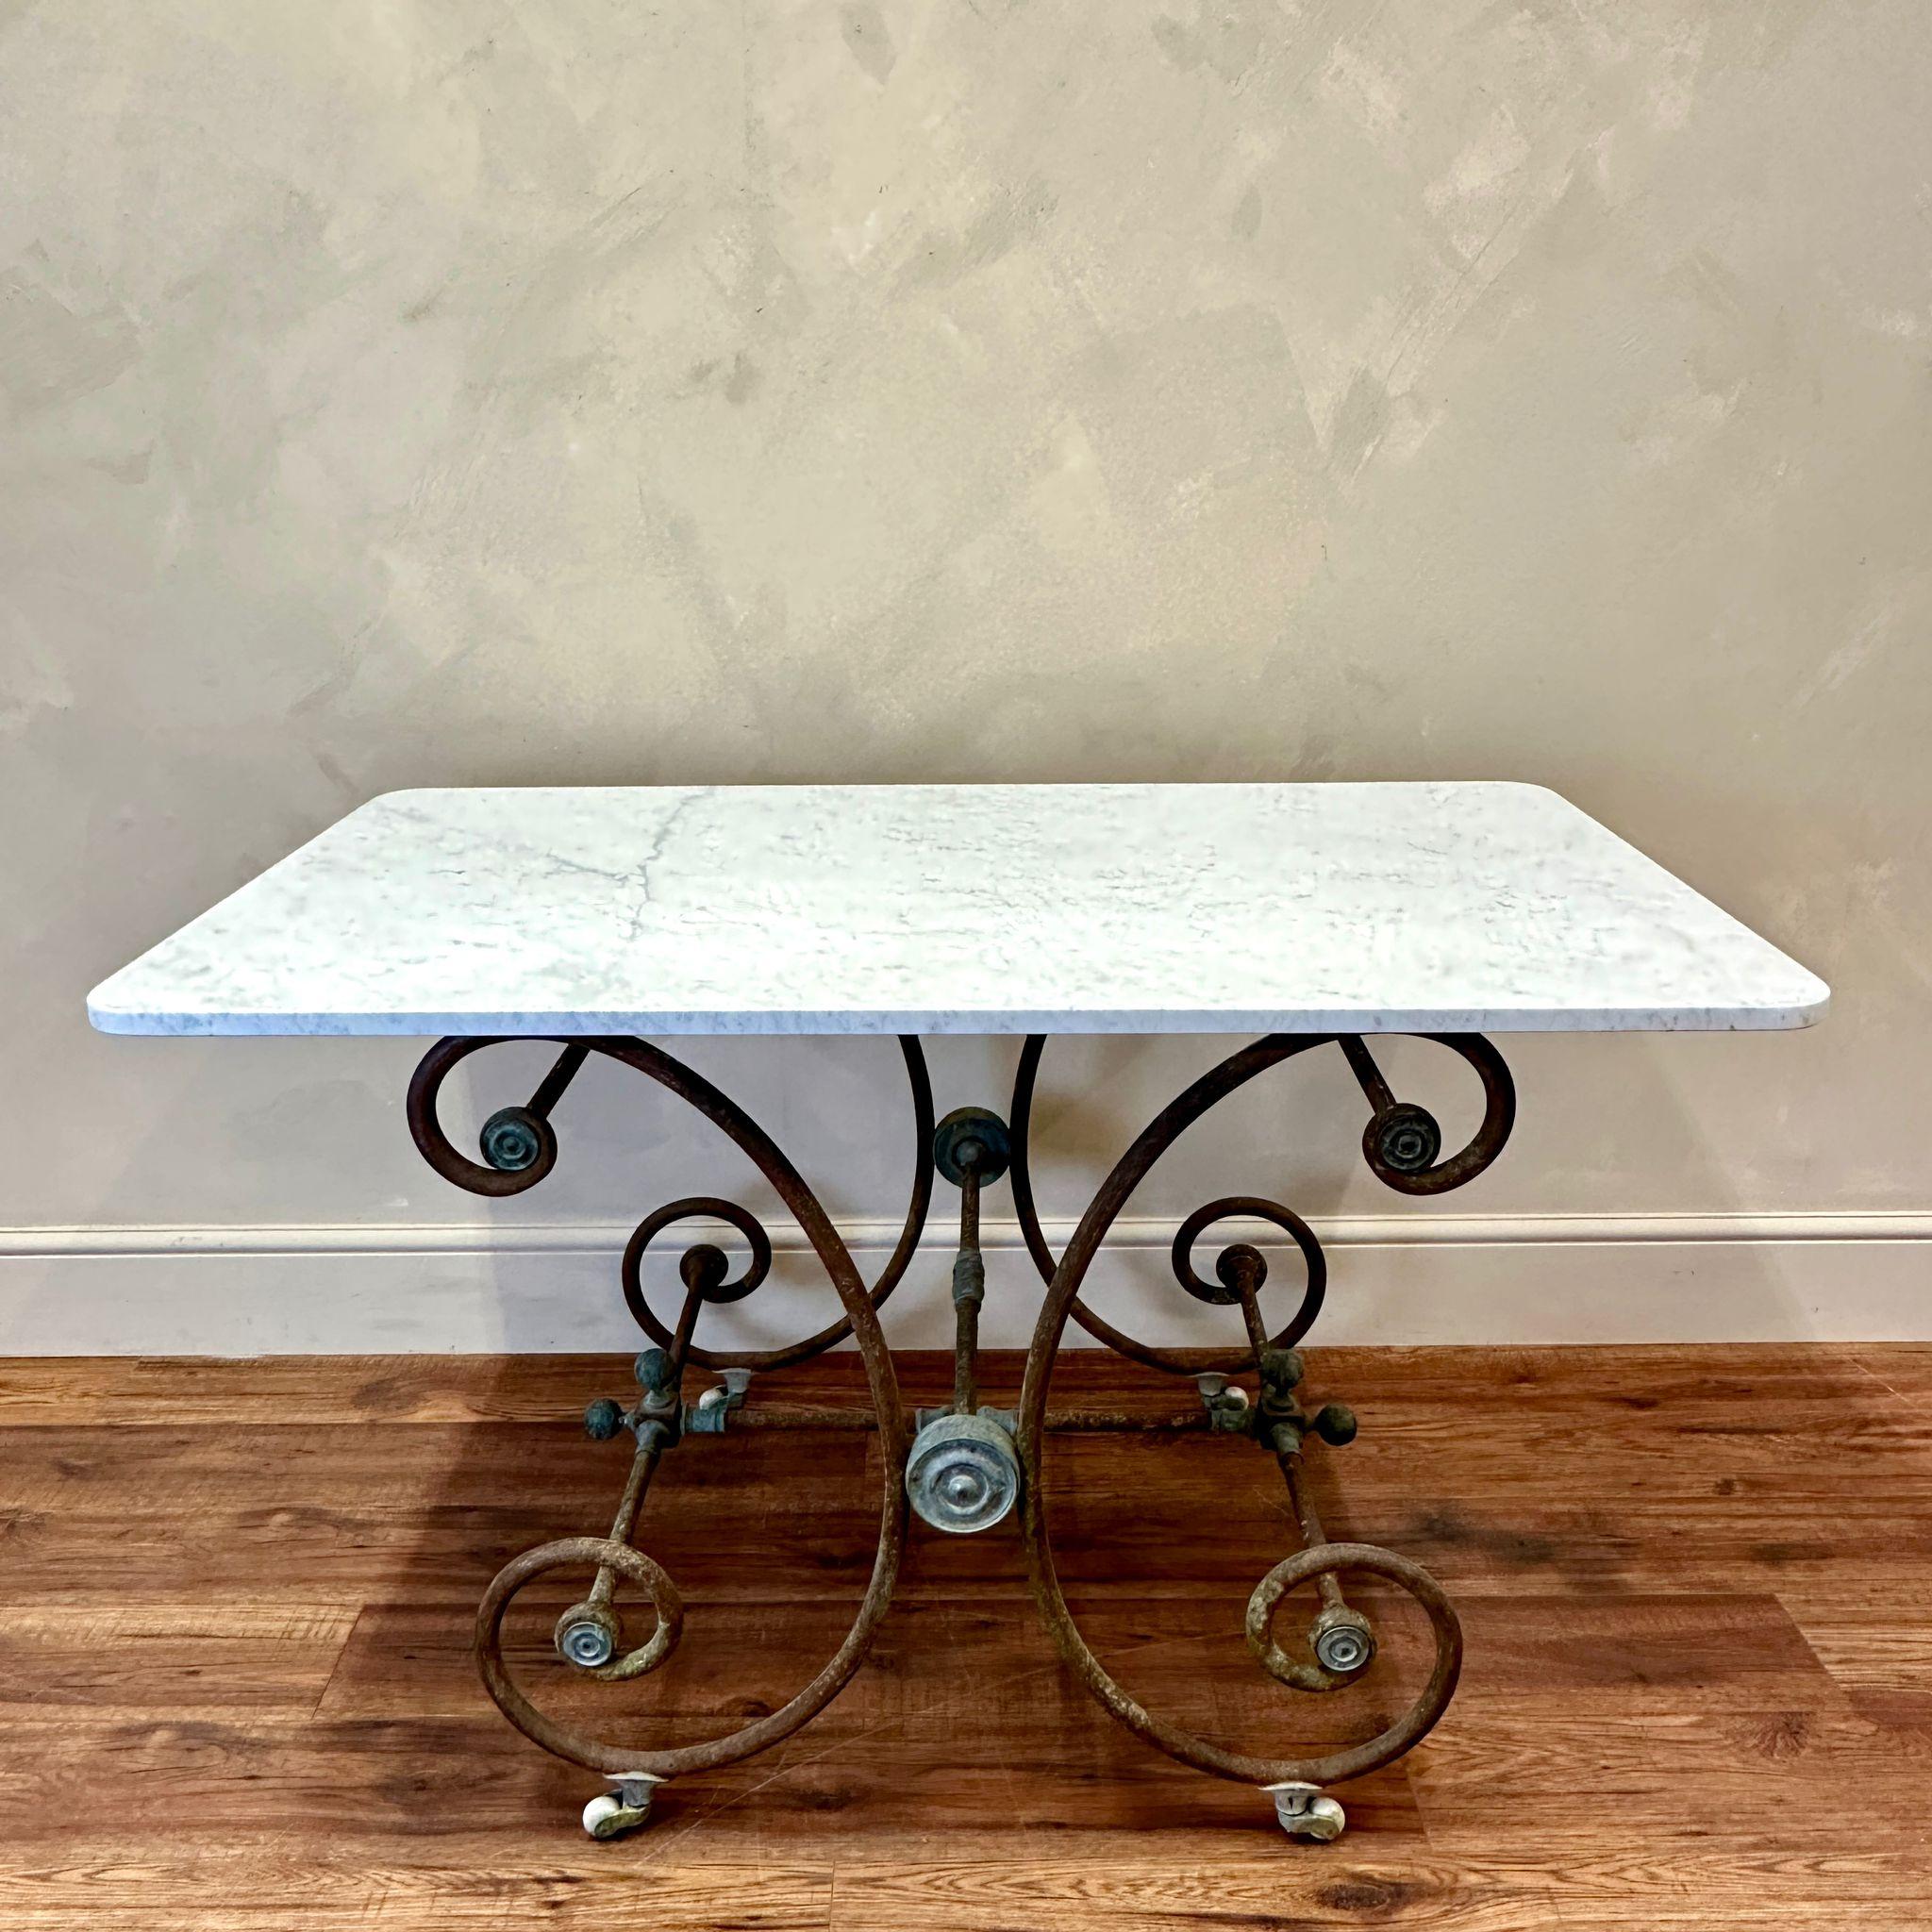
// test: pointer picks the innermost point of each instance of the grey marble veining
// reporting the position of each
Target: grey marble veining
(962, 908)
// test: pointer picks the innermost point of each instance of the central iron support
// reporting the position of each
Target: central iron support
(962, 1475)
(965, 1469)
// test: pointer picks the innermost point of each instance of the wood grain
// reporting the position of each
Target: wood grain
(235, 1687)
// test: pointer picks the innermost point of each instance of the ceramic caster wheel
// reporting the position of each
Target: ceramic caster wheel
(610, 1814)
(607, 1816)
(1304, 1812)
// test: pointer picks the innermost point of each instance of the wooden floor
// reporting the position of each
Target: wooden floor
(1696, 1584)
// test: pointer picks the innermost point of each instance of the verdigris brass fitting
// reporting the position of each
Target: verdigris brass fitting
(1403, 1138)
(962, 1474)
(514, 1138)
(1281, 1373)
(972, 1137)
(1336, 1424)
(1343, 1641)
(1227, 1404)
(707, 1415)
(603, 1420)
(586, 1635)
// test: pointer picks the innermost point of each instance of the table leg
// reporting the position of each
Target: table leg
(1403, 1146)
(519, 1148)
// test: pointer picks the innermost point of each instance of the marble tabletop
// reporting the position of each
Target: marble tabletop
(962, 908)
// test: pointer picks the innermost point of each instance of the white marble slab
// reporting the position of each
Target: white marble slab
(962, 908)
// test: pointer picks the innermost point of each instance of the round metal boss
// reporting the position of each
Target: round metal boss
(962, 1474)
(514, 1138)
(587, 1635)
(1342, 1640)
(1404, 1139)
(603, 1420)
(966, 1127)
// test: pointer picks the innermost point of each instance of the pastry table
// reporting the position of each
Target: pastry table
(1316, 916)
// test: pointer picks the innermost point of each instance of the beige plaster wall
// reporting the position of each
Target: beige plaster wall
(412, 393)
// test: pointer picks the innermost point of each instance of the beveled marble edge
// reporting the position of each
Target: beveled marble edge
(601, 1025)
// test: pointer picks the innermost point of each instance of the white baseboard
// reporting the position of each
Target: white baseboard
(1426, 1277)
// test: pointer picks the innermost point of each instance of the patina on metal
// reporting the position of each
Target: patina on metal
(968, 1468)
(962, 1474)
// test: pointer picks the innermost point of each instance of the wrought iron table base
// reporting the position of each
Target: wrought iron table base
(965, 1468)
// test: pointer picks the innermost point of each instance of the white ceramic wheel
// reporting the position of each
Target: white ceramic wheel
(607, 1816)
(1323, 1821)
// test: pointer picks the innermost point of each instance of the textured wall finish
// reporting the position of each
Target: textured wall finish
(414, 393)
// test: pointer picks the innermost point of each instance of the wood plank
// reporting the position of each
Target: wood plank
(247, 1893)
(1433, 1387)
(121, 1658)
(1330, 1886)
(1875, 1640)
(1321, 1887)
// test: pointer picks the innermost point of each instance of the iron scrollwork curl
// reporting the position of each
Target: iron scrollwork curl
(495, 1183)
(1402, 1145)
(1224, 1290)
(523, 1140)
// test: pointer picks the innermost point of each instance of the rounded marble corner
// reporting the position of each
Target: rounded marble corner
(1808, 1011)
(130, 1014)
(1530, 789)
(1804, 1005)
(104, 1017)
(390, 801)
